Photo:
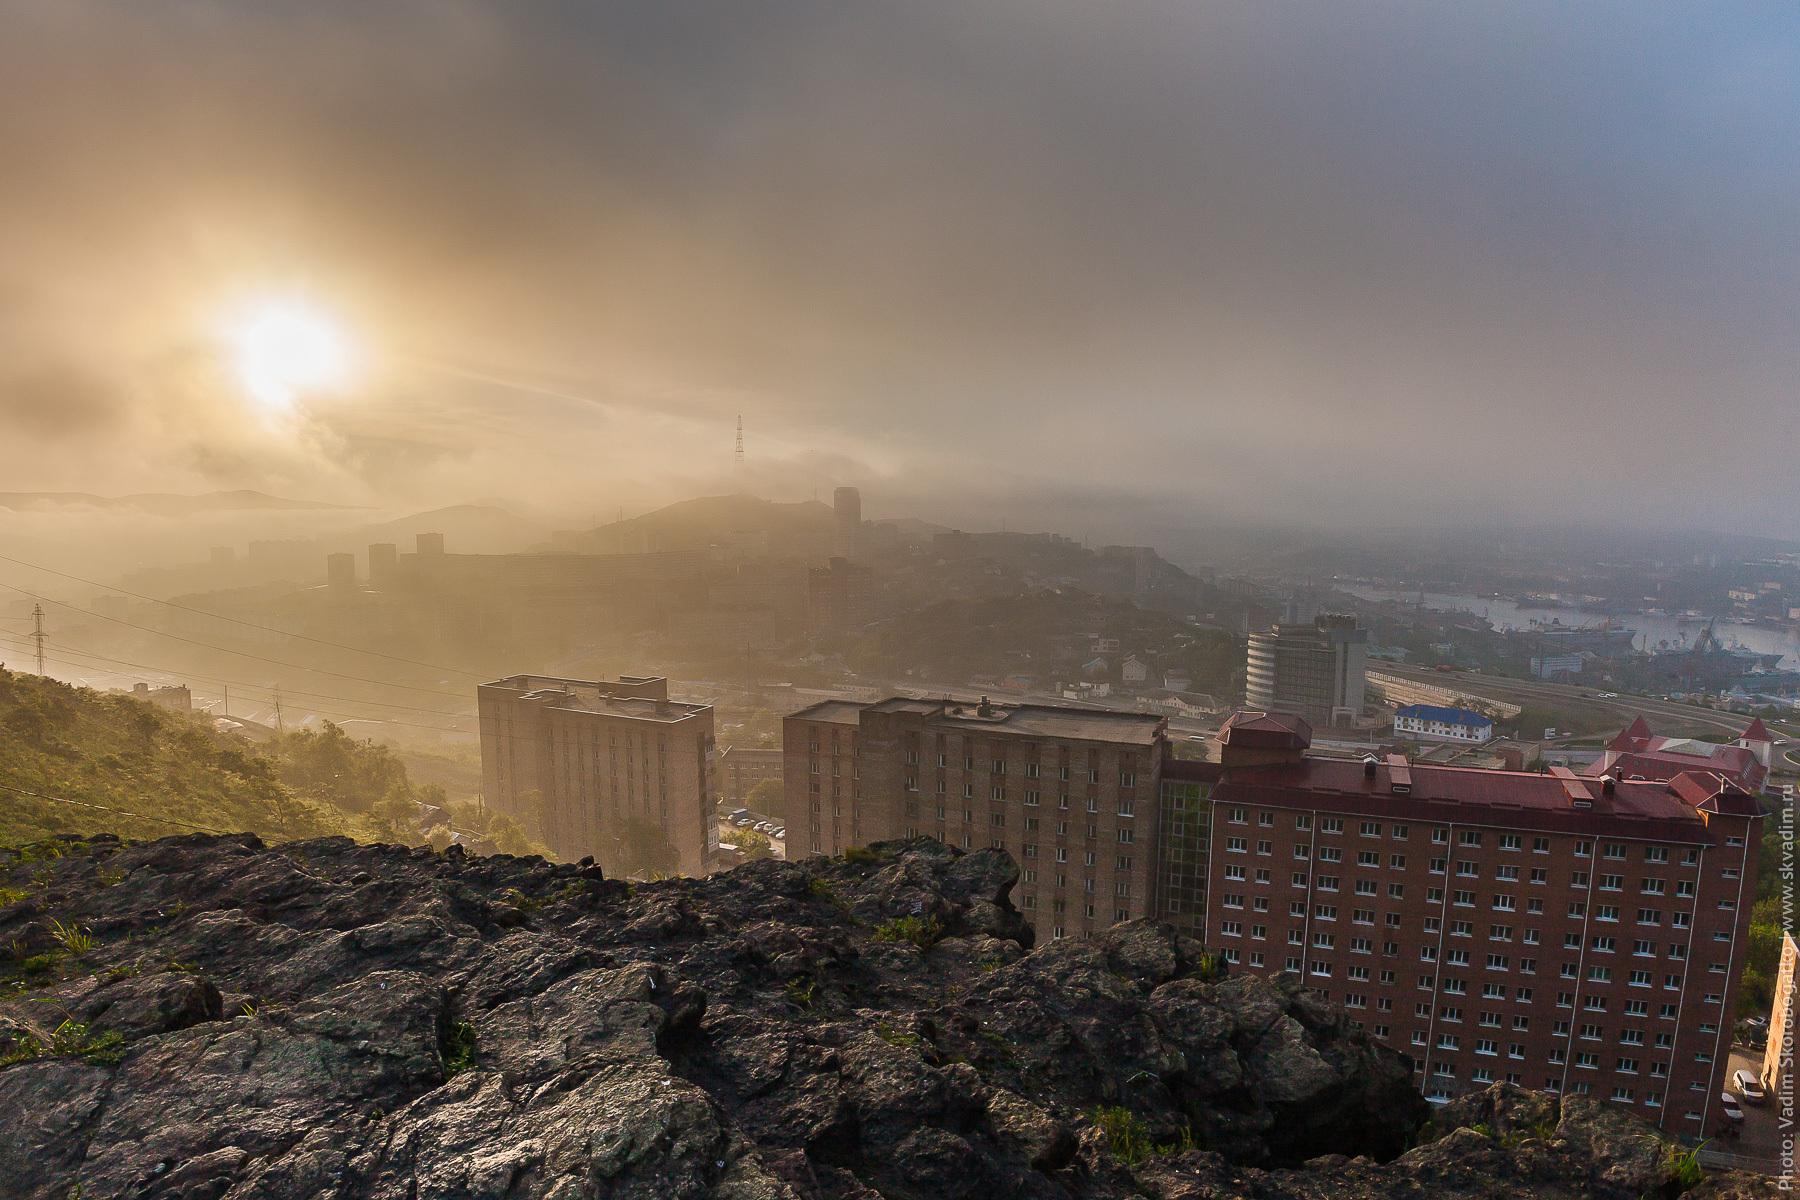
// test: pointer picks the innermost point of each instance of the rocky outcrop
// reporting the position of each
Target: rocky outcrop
(327, 1019)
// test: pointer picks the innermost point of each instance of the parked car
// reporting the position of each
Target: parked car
(1749, 1087)
(1729, 1108)
(741, 822)
(780, 834)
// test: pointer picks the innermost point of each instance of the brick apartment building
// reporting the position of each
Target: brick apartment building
(1562, 933)
(1071, 793)
(1566, 934)
(742, 768)
(574, 758)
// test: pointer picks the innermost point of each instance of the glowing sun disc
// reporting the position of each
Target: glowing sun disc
(283, 349)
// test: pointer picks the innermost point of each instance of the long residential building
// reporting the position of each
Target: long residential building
(1072, 793)
(577, 760)
(1565, 934)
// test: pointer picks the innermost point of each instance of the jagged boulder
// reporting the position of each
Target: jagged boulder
(330, 1019)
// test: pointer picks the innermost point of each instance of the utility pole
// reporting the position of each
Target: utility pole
(226, 710)
(278, 725)
(740, 442)
(37, 634)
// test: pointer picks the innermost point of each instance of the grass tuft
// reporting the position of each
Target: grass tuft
(923, 932)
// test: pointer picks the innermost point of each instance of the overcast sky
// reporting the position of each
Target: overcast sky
(1081, 267)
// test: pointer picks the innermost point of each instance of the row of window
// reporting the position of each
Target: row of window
(1468, 837)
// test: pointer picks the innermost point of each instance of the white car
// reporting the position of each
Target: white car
(1729, 1108)
(1749, 1087)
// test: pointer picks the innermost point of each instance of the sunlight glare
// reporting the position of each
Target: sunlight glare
(285, 348)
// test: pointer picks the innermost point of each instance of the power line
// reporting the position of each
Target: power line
(238, 621)
(225, 649)
(37, 634)
(104, 661)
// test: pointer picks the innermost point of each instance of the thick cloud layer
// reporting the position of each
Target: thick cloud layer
(1110, 267)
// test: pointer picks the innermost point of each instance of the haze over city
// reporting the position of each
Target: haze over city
(1174, 266)
(800, 601)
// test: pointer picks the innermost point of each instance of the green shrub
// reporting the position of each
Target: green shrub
(1129, 1139)
(459, 1048)
(923, 932)
(860, 854)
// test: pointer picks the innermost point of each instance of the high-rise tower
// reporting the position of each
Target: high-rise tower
(846, 507)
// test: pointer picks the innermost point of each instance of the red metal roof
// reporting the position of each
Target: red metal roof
(1468, 795)
(1758, 732)
(1632, 736)
(1273, 731)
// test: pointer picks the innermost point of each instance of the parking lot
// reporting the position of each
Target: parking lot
(1758, 1144)
(777, 845)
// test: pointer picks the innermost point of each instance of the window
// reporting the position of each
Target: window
(1371, 829)
(1399, 831)
(1331, 825)
(1299, 879)
(1266, 820)
(1469, 837)
(1238, 817)
(1330, 854)
(1303, 821)
(1397, 862)
(1540, 845)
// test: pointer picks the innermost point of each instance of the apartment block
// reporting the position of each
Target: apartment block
(1566, 934)
(743, 767)
(577, 758)
(1073, 794)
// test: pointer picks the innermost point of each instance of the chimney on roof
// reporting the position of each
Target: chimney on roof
(985, 709)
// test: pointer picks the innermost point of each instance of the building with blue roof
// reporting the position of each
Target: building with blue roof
(1431, 723)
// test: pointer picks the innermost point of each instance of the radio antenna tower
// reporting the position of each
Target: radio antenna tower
(37, 634)
(740, 442)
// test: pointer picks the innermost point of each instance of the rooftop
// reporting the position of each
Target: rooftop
(1449, 716)
(1467, 795)
(1028, 720)
(642, 697)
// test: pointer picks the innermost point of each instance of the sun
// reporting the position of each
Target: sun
(285, 348)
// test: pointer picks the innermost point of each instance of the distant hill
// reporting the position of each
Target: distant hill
(803, 528)
(163, 503)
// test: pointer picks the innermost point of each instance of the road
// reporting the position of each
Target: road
(1623, 707)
